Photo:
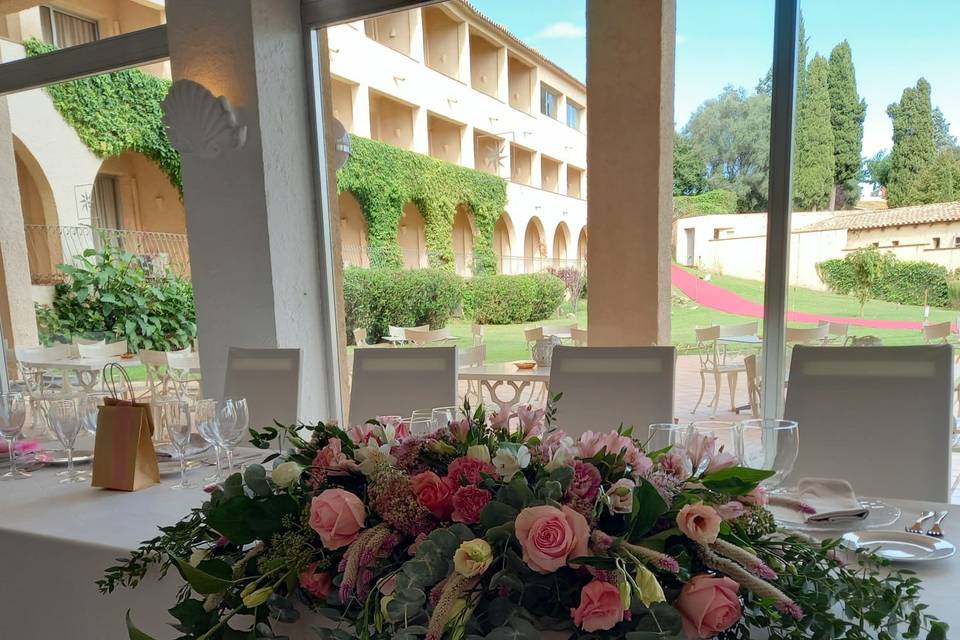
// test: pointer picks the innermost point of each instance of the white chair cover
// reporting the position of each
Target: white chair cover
(270, 381)
(879, 417)
(395, 382)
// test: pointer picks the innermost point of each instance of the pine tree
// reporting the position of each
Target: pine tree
(814, 150)
(913, 146)
(802, 52)
(847, 112)
(941, 131)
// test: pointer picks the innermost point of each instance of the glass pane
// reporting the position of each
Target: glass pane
(721, 151)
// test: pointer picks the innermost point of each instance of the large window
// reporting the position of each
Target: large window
(574, 115)
(549, 102)
(64, 29)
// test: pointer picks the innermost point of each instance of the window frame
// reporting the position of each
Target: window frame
(54, 36)
(547, 90)
(577, 110)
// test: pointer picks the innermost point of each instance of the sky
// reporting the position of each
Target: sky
(894, 42)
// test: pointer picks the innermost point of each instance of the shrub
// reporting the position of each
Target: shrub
(575, 281)
(108, 293)
(903, 281)
(715, 201)
(377, 298)
(506, 299)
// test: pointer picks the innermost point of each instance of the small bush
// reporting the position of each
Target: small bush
(903, 281)
(715, 201)
(506, 299)
(377, 298)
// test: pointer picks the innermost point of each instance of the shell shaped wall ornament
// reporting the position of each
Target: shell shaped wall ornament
(200, 124)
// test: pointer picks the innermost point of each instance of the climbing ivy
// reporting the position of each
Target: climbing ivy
(116, 112)
(383, 178)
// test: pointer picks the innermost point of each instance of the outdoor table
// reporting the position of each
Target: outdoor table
(87, 369)
(506, 375)
(748, 340)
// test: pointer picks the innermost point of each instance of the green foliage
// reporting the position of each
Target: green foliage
(913, 145)
(941, 132)
(109, 294)
(383, 178)
(878, 168)
(899, 281)
(715, 201)
(116, 112)
(511, 299)
(689, 169)
(377, 298)
(939, 181)
(847, 112)
(814, 158)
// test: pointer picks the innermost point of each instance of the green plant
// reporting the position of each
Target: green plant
(953, 291)
(867, 267)
(377, 298)
(716, 201)
(108, 293)
(901, 281)
(510, 299)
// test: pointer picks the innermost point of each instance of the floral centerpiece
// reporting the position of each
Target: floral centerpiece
(502, 527)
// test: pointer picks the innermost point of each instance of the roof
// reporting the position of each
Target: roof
(879, 218)
(523, 45)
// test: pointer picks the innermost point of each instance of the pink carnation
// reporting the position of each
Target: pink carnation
(468, 502)
(674, 465)
(467, 470)
(318, 585)
(586, 482)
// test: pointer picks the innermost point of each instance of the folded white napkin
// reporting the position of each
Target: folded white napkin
(833, 499)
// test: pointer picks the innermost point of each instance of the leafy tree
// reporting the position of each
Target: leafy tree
(940, 180)
(867, 267)
(847, 112)
(941, 131)
(913, 144)
(689, 169)
(815, 163)
(878, 168)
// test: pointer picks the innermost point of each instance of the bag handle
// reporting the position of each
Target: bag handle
(110, 374)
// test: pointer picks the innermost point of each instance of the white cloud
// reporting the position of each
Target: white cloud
(681, 39)
(562, 30)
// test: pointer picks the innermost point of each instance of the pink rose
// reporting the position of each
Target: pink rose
(460, 429)
(551, 537)
(699, 522)
(721, 460)
(467, 470)
(337, 516)
(586, 482)
(708, 605)
(756, 497)
(531, 420)
(434, 493)
(731, 510)
(318, 585)
(333, 460)
(600, 607)
(468, 502)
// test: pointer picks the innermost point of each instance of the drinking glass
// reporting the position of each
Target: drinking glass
(726, 433)
(772, 445)
(208, 426)
(90, 411)
(420, 426)
(65, 421)
(175, 418)
(441, 417)
(232, 421)
(13, 413)
(421, 414)
(665, 434)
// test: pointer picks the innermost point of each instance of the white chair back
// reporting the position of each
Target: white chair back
(579, 337)
(41, 354)
(745, 329)
(804, 335)
(880, 417)
(360, 337)
(562, 329)
(939, 332)
(604, 387)
(422, 337)
(102, 350)
(472, 356)
(155, 366)
(270, 381)
(395, 382)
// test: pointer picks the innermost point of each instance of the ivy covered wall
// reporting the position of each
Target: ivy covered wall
(383, 177)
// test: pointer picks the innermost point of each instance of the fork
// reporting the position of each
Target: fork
(917, 527)
(935, 530)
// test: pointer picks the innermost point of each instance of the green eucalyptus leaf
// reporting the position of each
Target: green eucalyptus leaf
(517, 494)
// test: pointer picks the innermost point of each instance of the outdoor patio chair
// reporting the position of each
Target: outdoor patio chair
(713, 362)
(420, 337)
(837, 333)
(479, 333)
(398, 335)
(157, 377)
(102, 349)
(880, 417)
(753, 384)
(360, 337)
(395, 382)
(807, 335)
(473, 357)
(531, 336)
(939, 333)
(270, 381)
(39, 381)
(604, 387)
(182, 368)
(579, 337)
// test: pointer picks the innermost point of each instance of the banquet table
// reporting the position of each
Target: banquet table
(505, 375)
(87, 369)
(55, 541)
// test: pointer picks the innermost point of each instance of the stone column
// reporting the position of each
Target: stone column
(630, 60)
(251, 221)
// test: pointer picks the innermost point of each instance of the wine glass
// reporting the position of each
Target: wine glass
(771, 445)
(420, 426)
(662, 435)
(726, 433)
(64, 415)
(232, 421)
(175, 418)
(90, 411)
(208, 426)
(13, 413)
(441, 417)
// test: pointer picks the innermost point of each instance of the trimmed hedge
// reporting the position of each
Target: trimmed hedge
(903, 282)
(715, 201)
(512, 299)
(377, 298)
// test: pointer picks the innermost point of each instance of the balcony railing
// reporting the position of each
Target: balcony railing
(51, 245)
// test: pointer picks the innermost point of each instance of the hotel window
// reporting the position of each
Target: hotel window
(574, 115)
(549, 102)
(894, 243)
(67, 30)
(956, 241)
(936, 243)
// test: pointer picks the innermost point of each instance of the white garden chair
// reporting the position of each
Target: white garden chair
(270, 381)
(396, 382)
(473, 357)
(713, 362)
(420, 337)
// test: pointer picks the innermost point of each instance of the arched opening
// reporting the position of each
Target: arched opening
(503, 237)
(582, 248)
(534, 246)
(561, 240)
(353, 232)
(44, 249)
(131, 192)
(412, 237)
(463, 233)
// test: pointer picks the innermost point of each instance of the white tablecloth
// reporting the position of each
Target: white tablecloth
(55, 541)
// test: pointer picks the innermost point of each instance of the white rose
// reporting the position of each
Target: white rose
(510, 459)
(620, 495)
(479, 452)
(285, 474)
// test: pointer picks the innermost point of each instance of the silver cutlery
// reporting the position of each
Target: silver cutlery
(935, 530)
(917, 527)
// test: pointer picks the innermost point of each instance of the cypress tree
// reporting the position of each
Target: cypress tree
(814, 151)
(847, 112)
(913, 146)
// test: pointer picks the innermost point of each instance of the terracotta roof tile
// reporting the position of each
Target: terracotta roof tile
(877, 219)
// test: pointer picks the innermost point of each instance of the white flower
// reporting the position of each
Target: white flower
(620, 496)
(479, 452)
(285, 474)
(564, 456)
(371, 456)
(510, 459)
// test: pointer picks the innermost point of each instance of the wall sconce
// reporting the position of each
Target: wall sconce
(200, 124)
(341, 144)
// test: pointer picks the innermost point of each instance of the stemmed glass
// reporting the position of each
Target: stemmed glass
(90, 411)
(661, 435)
(232, 421)
(726, 433)
(64, 415)
(441, 417)
(772, 445)
(208, 426)
(175, 418)
(13, 413)
(420, 426)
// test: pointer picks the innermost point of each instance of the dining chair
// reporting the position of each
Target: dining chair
(102, 349)
(753, 384)
(713, 362)
(807, 335)
(157, 378)
(421, 337)
(880, 417)
(39, 381)
(837, 333)
(939, 333)
(531, 336)
(395, 382)
(561, 330)
(474, 356)
(360, 337)
(579, 337)
(183, 369)
(398, 335)
(270, 381)
(604, 387)
(479, 332)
